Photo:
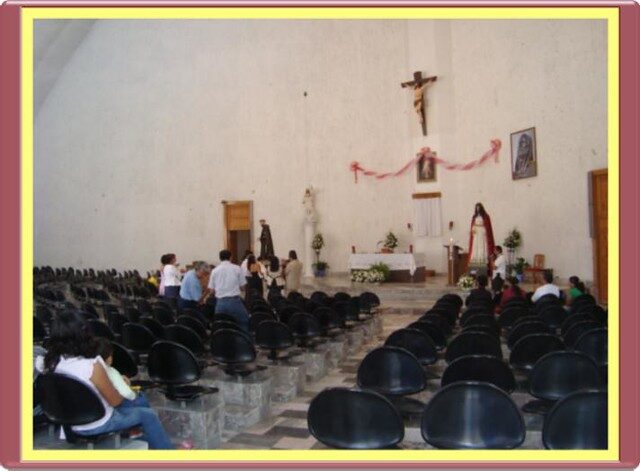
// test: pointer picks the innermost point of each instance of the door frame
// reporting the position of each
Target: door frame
(597, 281)
(225, 228)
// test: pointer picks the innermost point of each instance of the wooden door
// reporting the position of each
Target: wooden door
(600, 234)
(237, 219)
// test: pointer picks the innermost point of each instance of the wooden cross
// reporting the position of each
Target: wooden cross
(419, 84)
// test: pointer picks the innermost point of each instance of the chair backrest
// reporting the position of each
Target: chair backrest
(472, 343)
(596, 312)
(530, 348)
(439, 320)
(574, 319)
(391, 370)
(163, 315)
(484, 368)
(273, 335)
(219, 325)
(581, 301)
(137, 337)
(577, 421)
(572, 335)
(485, 320)
(232, 347)
(44, 314)
(133, 314)
(194, 324)
(327, 318)
(304, 326)
(154, 326)
(100, 329)
(39, 330)
(341, 296)
(172, 363)
(184, 336)
(474, 311)
(257, 318)
(67, 401)
(553, 315)
(354, 419)
(319, 297)
(286, 313)
(415, 341)
(123, 361)
(433, 331)
(463, 415)
(594, 343)
(526, 328)
(559, 373)
(446, 311)
(454, 298)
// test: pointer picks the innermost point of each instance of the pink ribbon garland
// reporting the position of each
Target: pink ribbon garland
(427, 154)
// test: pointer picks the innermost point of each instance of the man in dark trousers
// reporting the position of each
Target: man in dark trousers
(266, 243)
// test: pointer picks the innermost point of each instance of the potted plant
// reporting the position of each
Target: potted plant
(512, 242)
(466, 283)
(320, 269)
(390, 243)
(519, 267)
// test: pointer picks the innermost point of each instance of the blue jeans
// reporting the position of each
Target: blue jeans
(234, 307)
(139, 401)
(127, 417)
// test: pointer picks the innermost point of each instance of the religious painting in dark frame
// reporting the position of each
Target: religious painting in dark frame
(524, 161)
(426, 170)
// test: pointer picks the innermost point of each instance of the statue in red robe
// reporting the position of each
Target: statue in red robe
(481, 243)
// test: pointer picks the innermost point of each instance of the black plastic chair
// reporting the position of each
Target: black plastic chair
(137, 338)
(447, 311)
(100, 329)
(510, 315)
(175, 367)
(453, 298)
(90, 308)
(391, 371)
(572, 335)
(133, 314)
(472, 343)
(483, 320)
(485, 329)
(154, 326)
(354, 419)
(329, 321)
(341, 296)
(286, 313)
(596, 312)
(116, 321)
(574, 319)
(125, 363)
(472, 415)
(144, 307)
(594, 343)
(274, 336)
(546, 300)
(582, 301)
(69, 402)
(526, 328)
(185, 336)
(473, 311)
(433, 331)
(163, 315)
(577, 422)
(517, 302)
(194, 324)
(320, 297)
(552, 314)
(558, 374)
(235, 351)
(257, 318)
(529, 349)
(415, 341)
(305, 328)
(44, 314)
(484, 368)
(39, 330)
(224, 324)
(439, 320)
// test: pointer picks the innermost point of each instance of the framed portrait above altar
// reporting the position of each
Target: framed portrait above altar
(524, 162)
(426, 171)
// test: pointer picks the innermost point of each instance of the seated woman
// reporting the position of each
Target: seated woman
(254, 280)
(71, 350)
(510, 292)
(480, 294)
(577, 288)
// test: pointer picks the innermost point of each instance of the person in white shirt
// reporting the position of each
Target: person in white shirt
(499, 263)
(244, 265)
(547, 288)
(73, 351)
(227, 282)
(171, 277)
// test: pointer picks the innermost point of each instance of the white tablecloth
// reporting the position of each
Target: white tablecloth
(395, 261)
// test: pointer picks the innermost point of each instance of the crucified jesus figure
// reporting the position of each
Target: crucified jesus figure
(419, 84)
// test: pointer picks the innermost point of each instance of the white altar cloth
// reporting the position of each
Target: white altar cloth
(395, 261)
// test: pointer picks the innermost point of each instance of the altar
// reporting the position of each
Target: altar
(405, 267)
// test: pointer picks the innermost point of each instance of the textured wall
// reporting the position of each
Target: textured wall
(152, 123)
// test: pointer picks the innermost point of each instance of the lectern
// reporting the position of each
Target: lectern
(454, 262)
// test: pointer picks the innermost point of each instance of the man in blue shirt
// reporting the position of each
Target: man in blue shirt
(191, 294)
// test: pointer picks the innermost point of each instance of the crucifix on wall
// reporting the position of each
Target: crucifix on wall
(419, 84)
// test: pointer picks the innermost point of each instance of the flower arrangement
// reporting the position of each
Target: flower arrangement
(513, 240)
(466, 282)
(520, 265)
(390, 241)
(316, 244)
(375, 274)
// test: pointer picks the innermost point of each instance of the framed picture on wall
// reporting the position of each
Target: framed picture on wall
(524, 162)
(426, 170)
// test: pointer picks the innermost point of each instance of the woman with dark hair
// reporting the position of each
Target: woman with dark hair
(512, 291)
(577, 288)
(292, 272)
(274, 278)
(73, 351)
(481, 243)
(254, 280)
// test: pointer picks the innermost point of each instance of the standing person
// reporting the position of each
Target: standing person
(171, 278)
(243, 265)
(254, 280)
(191, 293)
(163, 261)
(266, 243)
(226, 283)
(292, 272)
(274, 277)
(499, 269)
(71, 350)
(481, 243)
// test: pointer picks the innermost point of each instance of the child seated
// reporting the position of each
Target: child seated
(120, 382)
